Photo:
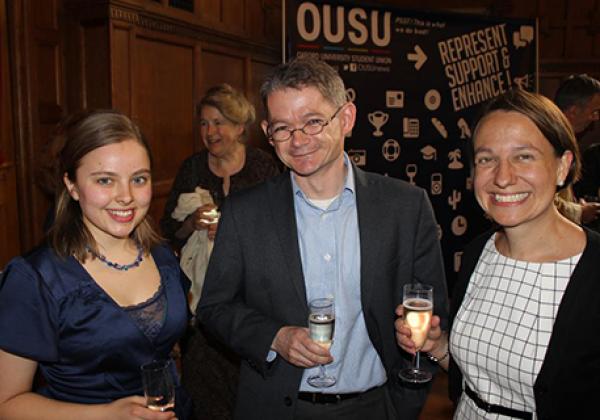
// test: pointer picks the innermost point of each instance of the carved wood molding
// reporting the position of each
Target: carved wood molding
(165, 24)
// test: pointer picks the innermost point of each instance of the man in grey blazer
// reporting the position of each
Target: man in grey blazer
(322, 229)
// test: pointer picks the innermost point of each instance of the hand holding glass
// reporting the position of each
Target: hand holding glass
(418, 307)
(157, 378)
(321, 323)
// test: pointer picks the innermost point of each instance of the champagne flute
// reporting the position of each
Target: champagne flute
(418, 307)
(321, 323)
(157, 378)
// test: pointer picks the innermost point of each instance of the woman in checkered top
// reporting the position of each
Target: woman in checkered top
(523, 339)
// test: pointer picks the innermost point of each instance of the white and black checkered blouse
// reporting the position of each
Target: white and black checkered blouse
(503, 327)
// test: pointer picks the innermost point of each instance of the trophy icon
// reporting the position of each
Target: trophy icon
(378, 119)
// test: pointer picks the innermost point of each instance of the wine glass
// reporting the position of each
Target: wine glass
(418, 307)
(321, 323)
(157, 378)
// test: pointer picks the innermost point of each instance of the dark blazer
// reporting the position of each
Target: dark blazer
(254, 283)
(569, 380)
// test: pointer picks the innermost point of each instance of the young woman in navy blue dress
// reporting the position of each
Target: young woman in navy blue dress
(102, 297)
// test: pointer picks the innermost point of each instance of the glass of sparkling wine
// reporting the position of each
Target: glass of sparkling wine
(418, 308)
(321, 323)
(157, 379)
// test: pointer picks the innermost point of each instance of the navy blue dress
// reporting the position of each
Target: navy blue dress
(89, 350)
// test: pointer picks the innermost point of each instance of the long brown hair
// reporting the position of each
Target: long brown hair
(83, 133)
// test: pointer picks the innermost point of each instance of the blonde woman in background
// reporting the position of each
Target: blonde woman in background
(227, 165)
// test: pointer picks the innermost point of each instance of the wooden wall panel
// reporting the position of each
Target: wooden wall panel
(42, 88)
(259, 71)
(221, 67)
(122, 76)
(9, 233)
(48, 65)
(209, 10)
(10, 244)
(163, 107)
(96, 66)
(46, 16)
(234, 13)
(164, 101)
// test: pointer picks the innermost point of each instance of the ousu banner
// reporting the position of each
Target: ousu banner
(418, 80)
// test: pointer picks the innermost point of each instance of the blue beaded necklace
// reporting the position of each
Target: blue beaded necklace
(116, 266)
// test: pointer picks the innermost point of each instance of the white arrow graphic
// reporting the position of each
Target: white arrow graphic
(418, 57)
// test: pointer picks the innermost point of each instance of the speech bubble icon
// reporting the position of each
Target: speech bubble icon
(527, 33)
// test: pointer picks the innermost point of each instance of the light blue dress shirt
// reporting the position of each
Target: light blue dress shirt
(330, 250)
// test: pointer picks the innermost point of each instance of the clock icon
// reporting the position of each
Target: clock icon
(459, 225)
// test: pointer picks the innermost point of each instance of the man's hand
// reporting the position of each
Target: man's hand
(295, 346)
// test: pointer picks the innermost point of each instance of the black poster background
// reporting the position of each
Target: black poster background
(410, 124)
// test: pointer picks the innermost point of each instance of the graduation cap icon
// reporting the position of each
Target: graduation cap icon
(429, 152)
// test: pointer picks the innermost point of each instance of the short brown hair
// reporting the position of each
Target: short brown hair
(82, 133)
(306, 72)
(547, 117)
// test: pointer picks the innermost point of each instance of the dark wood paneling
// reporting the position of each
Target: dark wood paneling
(122, 74)
(164, 102)
(9, 221)
(234, 13)
(259, 71)
(163, 99)
(219, 66)
(46, 16)
(9, 234)
(96, 66)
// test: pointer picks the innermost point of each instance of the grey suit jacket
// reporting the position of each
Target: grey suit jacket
(254, 283)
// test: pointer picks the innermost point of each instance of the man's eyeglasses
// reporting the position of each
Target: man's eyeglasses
(312, 127)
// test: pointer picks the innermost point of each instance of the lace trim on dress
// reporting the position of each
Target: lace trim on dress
(150, 315)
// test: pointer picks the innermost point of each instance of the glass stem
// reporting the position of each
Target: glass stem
(416, 363)
(322, 373)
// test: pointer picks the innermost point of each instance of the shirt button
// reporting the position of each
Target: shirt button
(287, 401)
(327, 257)
(324, 216)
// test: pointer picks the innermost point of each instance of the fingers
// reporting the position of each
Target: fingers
(212, 231)
(147, 414)
(295, 345)
(403, 333)
(204, 220)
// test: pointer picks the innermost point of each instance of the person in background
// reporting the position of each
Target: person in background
(102, 297)
(578, 97)
(325, 229)
(228, 164)
(518, 344)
